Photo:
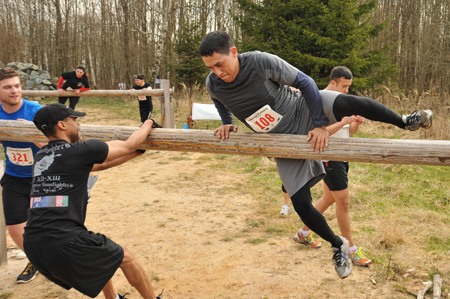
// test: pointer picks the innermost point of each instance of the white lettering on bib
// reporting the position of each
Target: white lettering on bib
(20, 156)
(142, 98)
(264, 120)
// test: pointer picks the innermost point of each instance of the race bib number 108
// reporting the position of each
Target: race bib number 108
(264, 120)
(20, 156)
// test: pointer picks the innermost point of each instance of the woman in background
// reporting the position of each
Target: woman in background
(76, 82)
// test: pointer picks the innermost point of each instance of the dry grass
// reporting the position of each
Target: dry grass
(400, 213)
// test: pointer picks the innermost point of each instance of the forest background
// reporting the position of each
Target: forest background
(401, 45)
(399, 52)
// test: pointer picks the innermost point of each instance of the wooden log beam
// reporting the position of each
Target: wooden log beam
(385, 151)
(422, 292)
(437, 285)
(96, 93)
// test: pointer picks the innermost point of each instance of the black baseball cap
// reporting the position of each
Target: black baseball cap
(51, 114)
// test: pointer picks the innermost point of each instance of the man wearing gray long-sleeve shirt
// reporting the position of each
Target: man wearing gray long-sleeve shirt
(254, 87)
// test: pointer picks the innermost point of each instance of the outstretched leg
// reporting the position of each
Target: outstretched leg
(136, 275)
(347, 105)
(108, 291)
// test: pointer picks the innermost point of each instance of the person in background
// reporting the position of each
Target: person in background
(19, 157)
(335, 183)
(76, 82)
(157, 82)
(286, 208)
(145, 102)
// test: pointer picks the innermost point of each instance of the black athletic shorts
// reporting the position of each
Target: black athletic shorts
(336, 178)
(85, 262)
(16, 198)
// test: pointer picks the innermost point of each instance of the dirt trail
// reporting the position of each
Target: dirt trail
(190, 231)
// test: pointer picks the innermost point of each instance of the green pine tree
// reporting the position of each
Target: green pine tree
(190, 67)
(316, 36)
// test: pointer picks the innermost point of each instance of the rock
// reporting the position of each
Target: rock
(45, 76)
(30, 83)
(23, 76)
(37, 80)
(21, 66)
(32, 77)
(12, 65)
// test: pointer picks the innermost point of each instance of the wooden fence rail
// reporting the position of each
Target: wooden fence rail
(167, 120)
(96, 93)
(165, 93)
(386, 151)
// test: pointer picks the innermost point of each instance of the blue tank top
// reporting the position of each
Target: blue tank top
(20, 155)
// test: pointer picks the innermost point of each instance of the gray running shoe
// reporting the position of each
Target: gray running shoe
(285, 210)
(343, 265)
(418, 119)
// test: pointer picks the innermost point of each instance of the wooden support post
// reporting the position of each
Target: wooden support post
(385, 151)
(3, 249)
(167, 111)
(437, 286)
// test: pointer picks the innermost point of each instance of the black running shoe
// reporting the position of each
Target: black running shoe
(418, 119)
(123, 296)
(28, 274)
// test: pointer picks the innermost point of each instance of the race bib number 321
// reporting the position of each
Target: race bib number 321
(264, 120)
(20, 156)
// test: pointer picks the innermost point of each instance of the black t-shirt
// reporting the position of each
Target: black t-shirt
(146, 85)
(73, 81)
(59, 191)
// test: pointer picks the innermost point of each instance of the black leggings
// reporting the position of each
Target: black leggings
(145, 107)
(344, 105)
(310, 216)
(72, 101)
(347, 105)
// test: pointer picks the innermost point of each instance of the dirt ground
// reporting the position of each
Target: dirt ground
(190, 232)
